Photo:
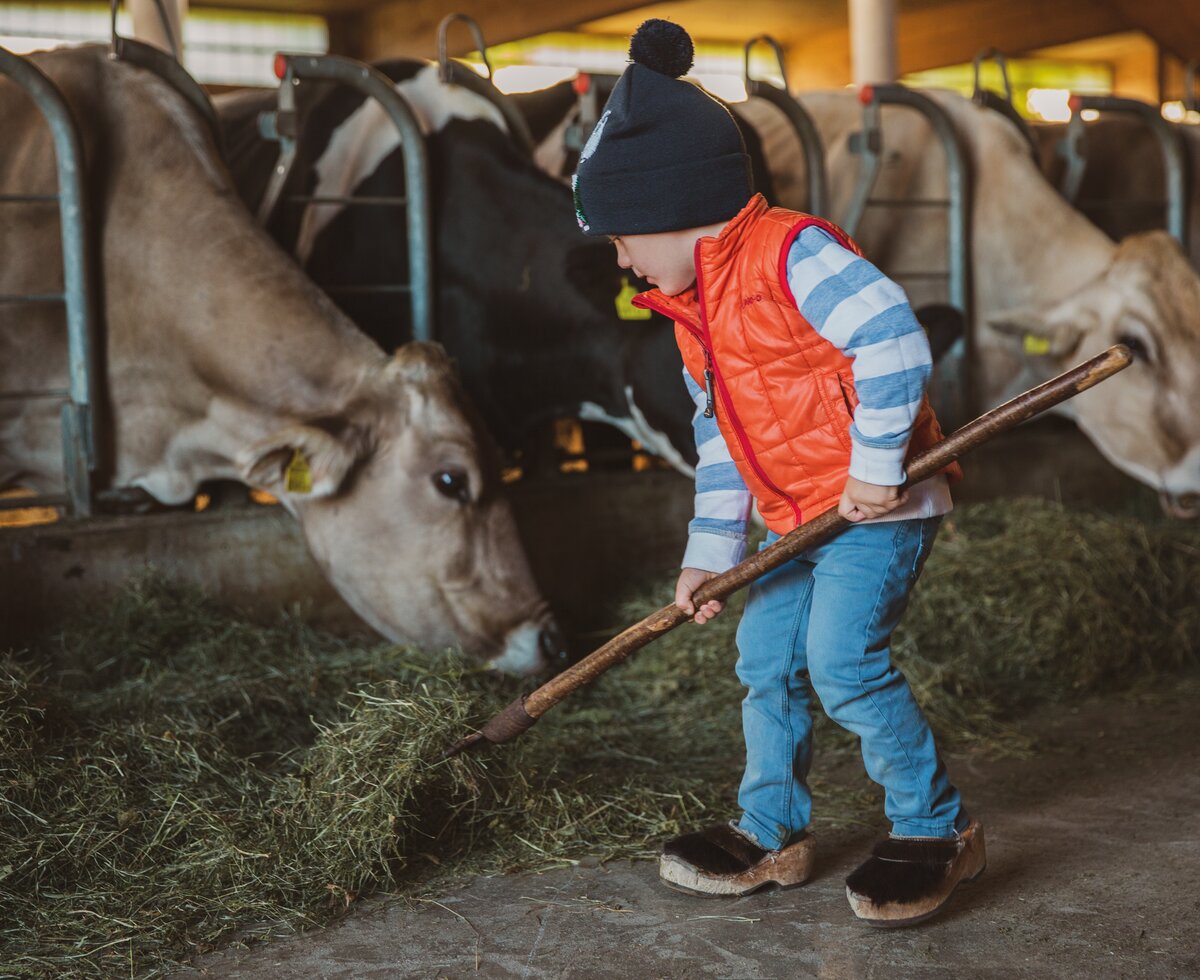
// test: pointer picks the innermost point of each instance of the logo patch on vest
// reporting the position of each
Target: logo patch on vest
(750, 300)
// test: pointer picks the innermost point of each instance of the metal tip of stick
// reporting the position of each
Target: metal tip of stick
(461, 746)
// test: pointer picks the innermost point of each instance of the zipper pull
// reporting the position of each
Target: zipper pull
(710, 404)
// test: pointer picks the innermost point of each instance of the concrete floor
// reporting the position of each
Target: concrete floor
(1092, 846)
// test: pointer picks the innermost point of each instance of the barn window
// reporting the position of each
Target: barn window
(221, 47)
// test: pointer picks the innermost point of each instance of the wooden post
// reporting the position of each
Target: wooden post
(873, 42)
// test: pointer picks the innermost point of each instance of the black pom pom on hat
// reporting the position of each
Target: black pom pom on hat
(662, 47)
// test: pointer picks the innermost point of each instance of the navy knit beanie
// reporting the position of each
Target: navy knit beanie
(664, 156)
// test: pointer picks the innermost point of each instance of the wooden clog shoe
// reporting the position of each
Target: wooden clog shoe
(907, 880)
(721, 860)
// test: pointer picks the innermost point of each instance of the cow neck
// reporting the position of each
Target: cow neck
(1034, 245)
(690, 310)
(296, 355)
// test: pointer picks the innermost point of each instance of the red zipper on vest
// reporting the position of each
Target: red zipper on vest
(704, 338)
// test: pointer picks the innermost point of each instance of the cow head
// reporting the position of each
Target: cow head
(401, 507)
(1146, 419)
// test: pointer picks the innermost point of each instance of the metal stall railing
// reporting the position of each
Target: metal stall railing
(166, 66)
(1002, 104)
(797, 116)
(163, 19)
(951, 388)
(282, 125)
(1073, 148)
(451, 72)
(78, 409)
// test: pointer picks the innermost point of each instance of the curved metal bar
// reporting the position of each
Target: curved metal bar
(867, 144)
(992, 54)
(990, 100)
(167, 67)
(78, 414)
(462, 75)
(279, 126)
(163, 18)
(1001, 104)
(1175, 163)
(452, 72)
(1073, 149)
(476, 36)
(953, 380)
(797, 115)
(156, 60)
(775, 46)
(376, 85)
(809, 136)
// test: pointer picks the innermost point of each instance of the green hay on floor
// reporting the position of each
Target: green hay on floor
(171, 777)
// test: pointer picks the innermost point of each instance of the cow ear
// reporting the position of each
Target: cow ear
(301, 461)
(421, 362)
(1038, 334)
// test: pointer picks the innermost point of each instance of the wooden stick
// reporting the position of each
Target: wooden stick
(523, 712)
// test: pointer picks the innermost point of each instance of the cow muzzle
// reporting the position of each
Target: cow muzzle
(532, 648)
(1184, 506)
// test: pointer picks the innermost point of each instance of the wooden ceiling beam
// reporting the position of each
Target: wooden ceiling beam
(1173, 25)
(952, 34)
(408, 28)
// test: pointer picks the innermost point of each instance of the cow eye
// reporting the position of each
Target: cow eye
(1137, 347)
(453, 484)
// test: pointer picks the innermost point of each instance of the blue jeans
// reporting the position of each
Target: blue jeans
(827, 617)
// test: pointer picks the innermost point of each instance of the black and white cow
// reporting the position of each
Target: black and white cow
(524, 302)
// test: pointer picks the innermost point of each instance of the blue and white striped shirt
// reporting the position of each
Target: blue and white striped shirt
(865, 315)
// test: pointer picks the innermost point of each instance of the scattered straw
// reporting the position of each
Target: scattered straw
(172, 777)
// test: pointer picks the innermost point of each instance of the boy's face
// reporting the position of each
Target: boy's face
(664, 259)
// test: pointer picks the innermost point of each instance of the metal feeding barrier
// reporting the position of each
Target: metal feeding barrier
(163, 19)
(283, 125)
(1073, 148)
(799, 119)
(1002, 104)
(591, 92)
(452, 72)
(166, 66)
(84, 338)
(78, 398)
(951, 387)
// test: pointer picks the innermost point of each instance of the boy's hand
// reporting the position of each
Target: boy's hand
(862, 500)
(690, 579)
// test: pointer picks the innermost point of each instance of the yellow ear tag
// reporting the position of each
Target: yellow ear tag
(298, 477)
(1034, 344)
(625, 308)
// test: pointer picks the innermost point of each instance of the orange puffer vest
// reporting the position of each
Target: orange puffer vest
(784, 396)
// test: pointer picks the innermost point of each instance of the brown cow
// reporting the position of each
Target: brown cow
(1046, 279)
(222, 361)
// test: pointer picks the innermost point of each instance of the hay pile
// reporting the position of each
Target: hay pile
(178, 777)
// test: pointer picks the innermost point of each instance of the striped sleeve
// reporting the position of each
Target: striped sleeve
(717, 534)
(854, 306)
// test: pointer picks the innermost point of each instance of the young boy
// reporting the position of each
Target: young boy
(808, 370)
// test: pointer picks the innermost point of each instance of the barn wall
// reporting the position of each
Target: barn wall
(588, 539)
